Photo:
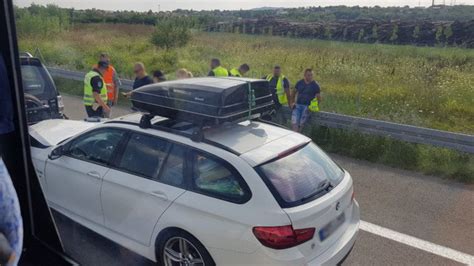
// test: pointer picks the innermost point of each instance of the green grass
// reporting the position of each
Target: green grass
(430, 87)
(423, 86)
(423, 158)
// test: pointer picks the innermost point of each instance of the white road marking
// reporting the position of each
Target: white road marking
(414, 242)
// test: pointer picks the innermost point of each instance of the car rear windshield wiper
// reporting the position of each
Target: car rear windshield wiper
(320, 192)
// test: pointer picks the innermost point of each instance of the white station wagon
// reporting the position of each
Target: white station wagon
(249, 193)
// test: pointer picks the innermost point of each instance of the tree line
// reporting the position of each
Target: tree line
(447, 25)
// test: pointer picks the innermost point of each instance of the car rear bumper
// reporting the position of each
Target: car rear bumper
(265, 256)
(339, 251)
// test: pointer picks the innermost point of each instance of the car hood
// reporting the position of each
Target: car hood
(51, 132)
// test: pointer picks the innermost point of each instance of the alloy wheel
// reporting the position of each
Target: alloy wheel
(179, 251)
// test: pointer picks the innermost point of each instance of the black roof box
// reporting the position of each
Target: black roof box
(205, 101)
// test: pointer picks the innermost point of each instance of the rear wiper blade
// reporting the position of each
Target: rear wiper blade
(323, 190)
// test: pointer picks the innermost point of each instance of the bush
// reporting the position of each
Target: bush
(170, 34)
(39, 20)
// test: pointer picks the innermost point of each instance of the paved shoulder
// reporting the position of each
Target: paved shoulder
(427, 207)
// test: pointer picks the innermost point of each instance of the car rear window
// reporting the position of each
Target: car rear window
(37, 82)
(301, 176)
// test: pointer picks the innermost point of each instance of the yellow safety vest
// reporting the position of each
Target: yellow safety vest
(220, 72)
(314, 106)
(88, 92)
(235, 72)
(280, 91)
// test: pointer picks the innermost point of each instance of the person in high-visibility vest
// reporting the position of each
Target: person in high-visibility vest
(217, 70)
(308, 93)
(95, 91)
(280, 87)
(111, 81)
(239, 71)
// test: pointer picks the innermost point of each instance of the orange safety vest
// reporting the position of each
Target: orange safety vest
(109, 81)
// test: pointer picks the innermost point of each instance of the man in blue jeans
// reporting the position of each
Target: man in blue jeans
(306, 90)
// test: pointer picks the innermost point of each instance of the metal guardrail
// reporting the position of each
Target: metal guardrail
(413, 134)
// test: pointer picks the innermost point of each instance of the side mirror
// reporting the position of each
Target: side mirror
(56, 153)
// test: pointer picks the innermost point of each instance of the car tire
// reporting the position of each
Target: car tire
(173, 240)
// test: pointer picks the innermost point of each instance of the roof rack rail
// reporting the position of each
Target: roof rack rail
(197, 135)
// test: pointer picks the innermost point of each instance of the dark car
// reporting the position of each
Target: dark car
(42, 99)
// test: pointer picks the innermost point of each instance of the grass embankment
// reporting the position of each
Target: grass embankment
(430, 87)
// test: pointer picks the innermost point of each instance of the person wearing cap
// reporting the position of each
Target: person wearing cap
(95, 91)
(111, 81)
(239, 71)
(158, 76)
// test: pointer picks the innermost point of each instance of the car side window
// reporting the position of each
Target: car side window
(172, 172)
(144, 155)
(214, 177)
(97, 146)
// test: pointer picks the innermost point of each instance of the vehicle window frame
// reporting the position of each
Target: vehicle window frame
(67, 146)
(120, 152)
(184, 183)
(243, 184)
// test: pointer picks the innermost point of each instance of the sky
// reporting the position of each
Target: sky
(165, 5)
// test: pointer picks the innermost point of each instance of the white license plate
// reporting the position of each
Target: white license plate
(331, 227)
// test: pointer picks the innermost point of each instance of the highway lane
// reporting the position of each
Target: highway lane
(426, 207)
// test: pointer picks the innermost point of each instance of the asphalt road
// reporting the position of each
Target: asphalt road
(437, 212)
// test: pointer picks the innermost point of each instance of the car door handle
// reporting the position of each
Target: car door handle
(159, 194)
(94, 175)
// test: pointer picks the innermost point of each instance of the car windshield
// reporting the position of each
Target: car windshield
(301, 176)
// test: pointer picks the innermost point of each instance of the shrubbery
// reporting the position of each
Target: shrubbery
(41, 20)
(171, 33)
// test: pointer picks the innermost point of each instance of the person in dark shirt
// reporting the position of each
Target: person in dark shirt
(141, 77)
(306, 90)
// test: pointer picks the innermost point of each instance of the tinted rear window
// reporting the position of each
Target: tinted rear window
(301, 176)
(37, 82)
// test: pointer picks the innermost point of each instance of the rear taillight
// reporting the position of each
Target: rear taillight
(281, 237)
